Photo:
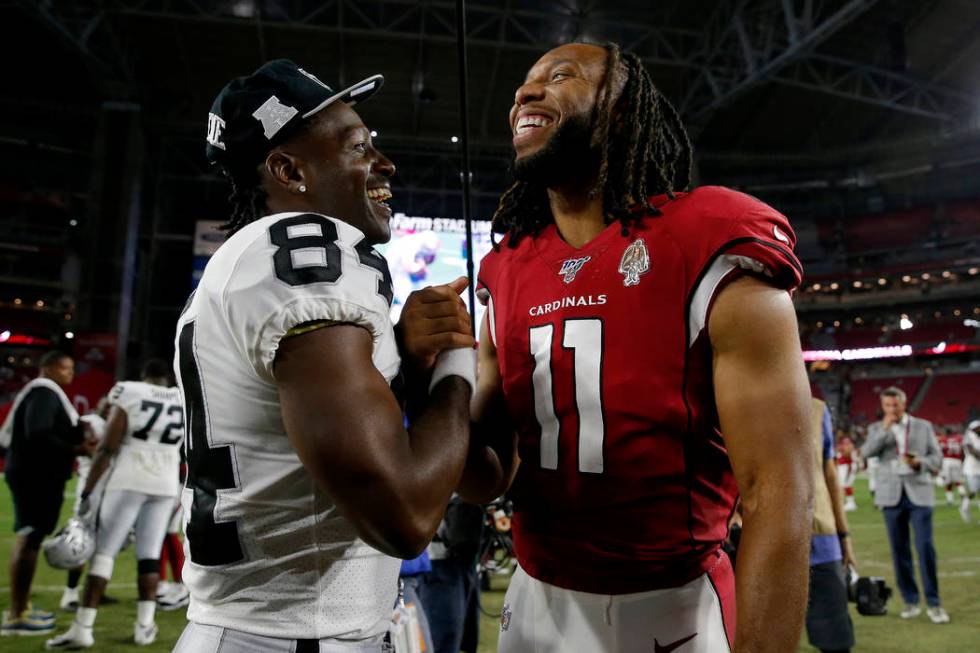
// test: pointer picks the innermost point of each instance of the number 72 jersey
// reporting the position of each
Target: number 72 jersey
(624, 483)
(149, 458)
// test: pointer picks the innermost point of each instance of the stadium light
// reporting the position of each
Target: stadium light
(18, 301)
(5, 336)
(882, 281)
(374, 134)
(906, 278)
(73, 222)
(973, 270)
(925, 276)
(834, 286)
(905, 323)
(69, 335)
(817, 286)
(454, 139)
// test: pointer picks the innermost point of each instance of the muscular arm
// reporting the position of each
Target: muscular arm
(492, 460)
(763, 403)
(115, 431)
(347, 429)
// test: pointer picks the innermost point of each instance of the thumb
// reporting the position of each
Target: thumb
(459, 284)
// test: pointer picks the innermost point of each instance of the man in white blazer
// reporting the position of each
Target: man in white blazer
(910, 455)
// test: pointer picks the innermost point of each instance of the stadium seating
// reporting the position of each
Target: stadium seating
(865, 402)
(952, 399)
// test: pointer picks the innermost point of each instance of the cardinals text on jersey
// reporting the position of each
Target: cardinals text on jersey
(267, 551)
(624, 483)
(149, 458)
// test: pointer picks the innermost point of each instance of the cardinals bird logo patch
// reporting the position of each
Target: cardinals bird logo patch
(635, 261)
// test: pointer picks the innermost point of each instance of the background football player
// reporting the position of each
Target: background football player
(847, 466)
(645, 393)
(303, 485)
(951, 472)
(142, 441)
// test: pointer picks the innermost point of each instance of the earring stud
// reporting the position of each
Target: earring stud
(302, 188)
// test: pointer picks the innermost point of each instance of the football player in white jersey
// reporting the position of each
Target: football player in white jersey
(304, 488)
(142, 441)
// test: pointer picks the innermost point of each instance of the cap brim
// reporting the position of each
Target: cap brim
(352, 94)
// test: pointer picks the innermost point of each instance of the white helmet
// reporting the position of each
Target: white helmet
(72, 546)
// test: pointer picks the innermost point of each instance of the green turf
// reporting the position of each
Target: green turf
(114, 625)
(958, 545)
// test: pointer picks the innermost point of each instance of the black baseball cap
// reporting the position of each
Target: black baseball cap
(252, 114)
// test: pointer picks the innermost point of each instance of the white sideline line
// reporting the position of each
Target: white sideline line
(60, 588)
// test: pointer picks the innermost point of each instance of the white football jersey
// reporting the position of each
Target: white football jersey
(149, 457)
(267, 551)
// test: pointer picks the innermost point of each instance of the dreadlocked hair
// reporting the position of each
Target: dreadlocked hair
(644, 151)
(247, 199)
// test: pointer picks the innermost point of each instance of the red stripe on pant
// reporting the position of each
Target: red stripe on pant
(722, 578)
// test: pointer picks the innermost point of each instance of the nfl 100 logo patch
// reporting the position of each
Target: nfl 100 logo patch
(505, 615)
(570, 267)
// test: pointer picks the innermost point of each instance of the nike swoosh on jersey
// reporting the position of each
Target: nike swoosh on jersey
(667, 648)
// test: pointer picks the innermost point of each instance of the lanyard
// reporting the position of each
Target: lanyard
(897, 449)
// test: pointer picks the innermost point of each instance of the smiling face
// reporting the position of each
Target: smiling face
(344, 175)
(551, 120)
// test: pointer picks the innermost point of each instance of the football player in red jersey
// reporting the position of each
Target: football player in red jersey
(640, 368)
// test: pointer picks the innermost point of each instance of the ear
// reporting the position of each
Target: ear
(285, 170)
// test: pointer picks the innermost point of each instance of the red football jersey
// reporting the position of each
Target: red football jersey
(624, 483)
(952, 446)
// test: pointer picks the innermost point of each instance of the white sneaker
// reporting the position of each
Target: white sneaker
(850, 505)
(164, 587)
(69, 599)
(176, 599)
(144, 635)
(937, 615)
(965, 512)
(75, 638)
(910, 611)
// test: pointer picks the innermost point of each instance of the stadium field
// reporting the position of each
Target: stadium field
(958, 546)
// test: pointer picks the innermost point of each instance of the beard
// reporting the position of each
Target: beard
(568, 157)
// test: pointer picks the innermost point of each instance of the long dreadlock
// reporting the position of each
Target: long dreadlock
(648, 153)
(247, 199)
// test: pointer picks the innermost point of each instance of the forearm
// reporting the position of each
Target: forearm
(773, 572)
(405, 483)
(836, 498)
(438, 459)
(874, 446)
(490, 467)
(99, 466)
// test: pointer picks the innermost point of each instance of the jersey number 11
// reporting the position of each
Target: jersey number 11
(584, 338)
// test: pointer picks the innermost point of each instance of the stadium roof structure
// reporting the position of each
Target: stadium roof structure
(768, 86)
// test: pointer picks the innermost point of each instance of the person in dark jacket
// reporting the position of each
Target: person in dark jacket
(43, 435)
